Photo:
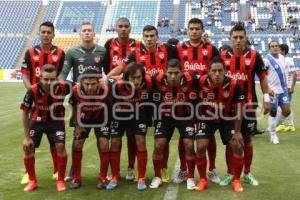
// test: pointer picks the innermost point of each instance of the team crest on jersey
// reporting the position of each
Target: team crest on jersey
(204, 51)
(184, 88)
(226, 94)
(205, 89)
(184, 53)
(132, 48)
(142, 58)
(54, 57)
(116, 48)
(248, 61)
(36, 58)
(161, 55)
(163, 88)
(97, 59)
(227, 62)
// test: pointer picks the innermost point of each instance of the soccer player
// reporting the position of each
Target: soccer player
(175, 111)
(154, 56)
(129, 95)
(36, 57)
(291, 78)
(277, 84)
(117, 49)
(219, 109)
(195, 54)
(44, 100)
(242, 63)
(79, 58)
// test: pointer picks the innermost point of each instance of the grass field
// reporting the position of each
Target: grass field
(277, 167)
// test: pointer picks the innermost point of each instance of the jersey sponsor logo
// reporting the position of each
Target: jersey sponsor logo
(154, 71)
(193, 66)
(237, 76)
(200, 133)
(104, 129)
(82, 68)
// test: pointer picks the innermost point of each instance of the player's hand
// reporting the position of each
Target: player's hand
(271, 93)
(78, 131)
(28, 144)
(266, 107)
(238, 140)
(291, 90)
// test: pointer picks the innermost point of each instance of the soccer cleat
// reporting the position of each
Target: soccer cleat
(141, 185)
(113, 184)
(290, 128)
(32, 185)
(202, 185)
(227, 180)
(156, 182)
(274, 138)
(101, 184)
(165, 175)
(60, 186)
(250, 179)
(237, 186)
(190, 184)
(280, 128)
(25, 179)
(181, 176)
(55, 176)
(213, 176)
(75, 184)
(130, 174)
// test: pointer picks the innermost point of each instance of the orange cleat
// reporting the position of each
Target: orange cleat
(237, 186)
(60, 186)
(32, 185)
(202, 185)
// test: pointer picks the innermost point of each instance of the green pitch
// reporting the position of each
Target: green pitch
(277, 167)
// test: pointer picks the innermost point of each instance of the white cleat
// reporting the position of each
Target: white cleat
(181, 176)
(213, 176)
(190, 184)
(156, 182)
(274, 138)
(130, 174)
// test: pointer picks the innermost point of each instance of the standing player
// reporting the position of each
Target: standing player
(242, 63)
(35, 58)
(277, 83)
(44, 100)
(175, 111)
(220, 109)
(129, 95)
(291, 78)
(195, 56)
(87, 55)
(117, 49)
(90, 108)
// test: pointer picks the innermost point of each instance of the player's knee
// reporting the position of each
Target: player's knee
(286, 112)
(60, 149)
(189, 149)
(78, 145)
(28, 150)
(115, 144)
(201, 150)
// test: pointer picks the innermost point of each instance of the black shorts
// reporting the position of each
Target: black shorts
(206, 130)
(55, 132)
(249, 124)
(101, 129)
(135, 126)
(165, 128)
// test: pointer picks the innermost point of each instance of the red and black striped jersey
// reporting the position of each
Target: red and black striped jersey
(218, 103)
(154, 61)
(174, 97)
(243, 68)
(90, 108)
(117, 51)
(124, 92)
(35, 58)
(46, 107)
(196, 58)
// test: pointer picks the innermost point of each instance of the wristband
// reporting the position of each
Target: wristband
(267, 98)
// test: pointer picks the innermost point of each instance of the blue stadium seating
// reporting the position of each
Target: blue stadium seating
(52, 10)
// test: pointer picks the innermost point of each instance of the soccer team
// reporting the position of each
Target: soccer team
(128, 86)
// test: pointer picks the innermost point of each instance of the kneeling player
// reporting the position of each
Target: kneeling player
(219, 109)
(44, 101)
(90, 109)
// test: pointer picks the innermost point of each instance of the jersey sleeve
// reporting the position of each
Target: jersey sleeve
(130, 58)
(27, 102)
(26, 65)
(260, 68)
(106, 58)
(215, 51)
(67, 66)
(172, 51)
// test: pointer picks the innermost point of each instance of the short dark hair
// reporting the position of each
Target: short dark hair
(174, 63)
(150, 28)
(224, 47)
(285, 48)
(123, 19)
(196, 21)
(272, 42)
(132, 68)
(48, 24)
(91, 73)
(173, 41)
(216, 59)
(238, 27)
(48, 68)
